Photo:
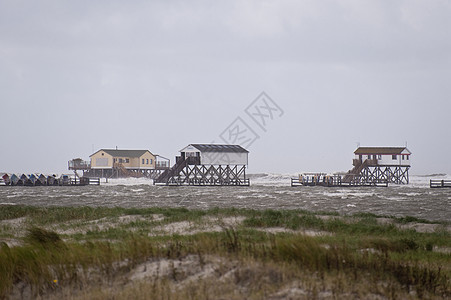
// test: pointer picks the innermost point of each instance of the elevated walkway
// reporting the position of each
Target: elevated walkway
(167, 177)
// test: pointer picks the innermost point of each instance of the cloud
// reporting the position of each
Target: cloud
(125, 73)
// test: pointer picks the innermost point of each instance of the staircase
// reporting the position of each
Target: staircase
(174, 171)
(358, 167)
(119, 170)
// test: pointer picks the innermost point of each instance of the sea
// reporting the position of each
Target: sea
(267, 191)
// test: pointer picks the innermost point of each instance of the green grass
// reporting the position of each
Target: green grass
(288, 219)
(380, 259)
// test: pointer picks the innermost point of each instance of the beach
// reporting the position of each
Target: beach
(130, 239)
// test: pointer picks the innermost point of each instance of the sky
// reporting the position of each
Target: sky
(300, 83)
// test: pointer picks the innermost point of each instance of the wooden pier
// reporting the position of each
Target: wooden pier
(316, 179)
(85, 181)
(322, 179)
(200, 182)
(440, 183)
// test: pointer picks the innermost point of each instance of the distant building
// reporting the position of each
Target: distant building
(212, 154)
(375, 165)
(128, 159)
(208, 164)
(108, 163)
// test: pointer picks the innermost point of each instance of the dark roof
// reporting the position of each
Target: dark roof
(219, 148)
(123, 153)
(380, 150)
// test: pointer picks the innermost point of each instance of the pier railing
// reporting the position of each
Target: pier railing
(78, 164)
(336, 181)
(440, 183)
(162, 164)
(85, 181)
(207, 182)
(316, 180)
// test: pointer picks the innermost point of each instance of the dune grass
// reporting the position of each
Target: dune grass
(353, 257)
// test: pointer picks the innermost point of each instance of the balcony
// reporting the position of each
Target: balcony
(162, 164)
(368, 162)
(78, 164)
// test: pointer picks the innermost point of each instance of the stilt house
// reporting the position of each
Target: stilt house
(208, 164)
(212, 154)
(376, 165)
(107, 163)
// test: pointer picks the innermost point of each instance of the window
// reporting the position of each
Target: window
(394, 157)
(369, 156)
(407, 157)
(121, 160)
(143, 161)
(147, 161)
(150, 161)
(379, 156)
(102, 162)
(402, 157)
(127, 160)
(115, 159)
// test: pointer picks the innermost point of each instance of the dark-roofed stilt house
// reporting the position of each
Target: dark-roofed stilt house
(208, 164)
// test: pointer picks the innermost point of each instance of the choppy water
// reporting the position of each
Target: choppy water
(266, 191)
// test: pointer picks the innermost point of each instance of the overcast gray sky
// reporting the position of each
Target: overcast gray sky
(77, 76)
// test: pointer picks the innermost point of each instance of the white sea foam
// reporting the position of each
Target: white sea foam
(127, 181)
(281, 179)
(274, 179)
(271, 179)
(411, 194)
(347, 193)
(422, 181)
